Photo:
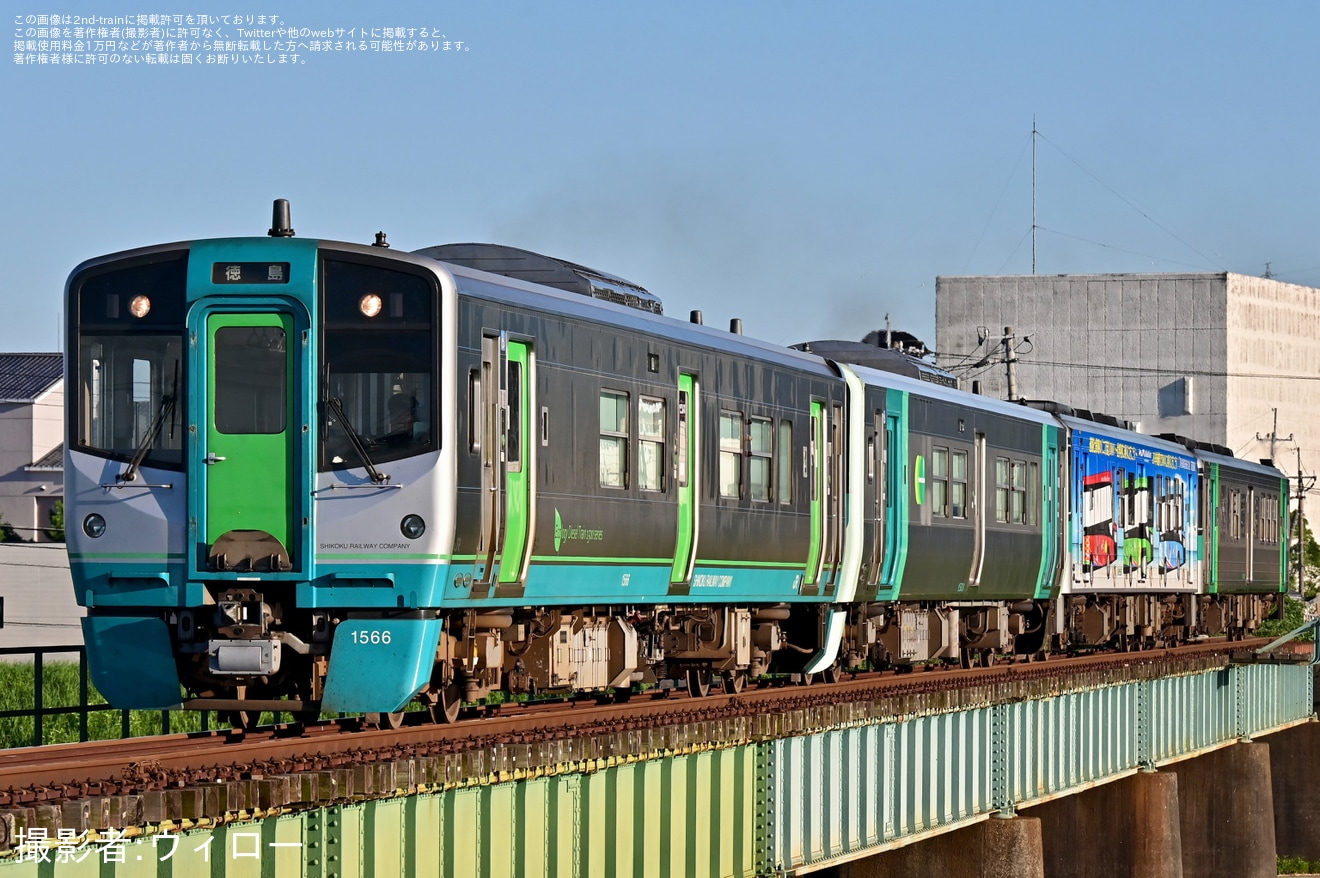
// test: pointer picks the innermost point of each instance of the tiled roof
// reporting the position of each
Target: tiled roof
(24, 377)
(53, 459)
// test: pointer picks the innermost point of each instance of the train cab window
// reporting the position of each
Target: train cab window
(760, 442)
(613, 439)
(958, 485)
(731, 454)
(784, 463)
(378, 361)
(939, 482)
(651, 444)
(126, 379)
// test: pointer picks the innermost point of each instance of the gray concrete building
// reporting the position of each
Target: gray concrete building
(1209, 356)
(31, 441)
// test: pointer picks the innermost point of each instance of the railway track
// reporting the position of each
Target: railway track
(523, 738)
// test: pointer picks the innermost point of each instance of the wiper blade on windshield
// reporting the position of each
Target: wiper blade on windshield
(140, 453)
(336, 405)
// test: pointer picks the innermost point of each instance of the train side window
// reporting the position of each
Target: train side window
(650, 444)
(939, 482)
(1017, 499)
(731, 454)
(760, 442)
(958, 485)
(1234, 517)
(1180, 504)
(1120, 485)
(681, 452)
(474, 411)
(513, 444)
(1033, 493)
(1003, 487)
(613, 439)
(784, 463)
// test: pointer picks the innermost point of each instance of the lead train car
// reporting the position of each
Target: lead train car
(302, 472)
(315, 476)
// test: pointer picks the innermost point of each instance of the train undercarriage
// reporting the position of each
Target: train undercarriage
(246, 654)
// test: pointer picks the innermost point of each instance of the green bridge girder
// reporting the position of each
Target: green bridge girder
(783, 795)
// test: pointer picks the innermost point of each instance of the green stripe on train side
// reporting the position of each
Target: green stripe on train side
(812, 572)
(1049, 511)
(896, 506)
(687, 487)
(518, 482)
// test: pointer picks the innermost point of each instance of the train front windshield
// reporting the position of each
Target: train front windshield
(378, 363)
(127, 369)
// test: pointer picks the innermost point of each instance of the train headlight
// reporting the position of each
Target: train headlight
(412, 526)
(140, 306)
(94, 526)
(370, 304)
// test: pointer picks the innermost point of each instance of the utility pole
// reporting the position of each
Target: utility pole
(1275, 439)
(1303, 483)
(1033, 195)
(1010, 361)
(1004, 347)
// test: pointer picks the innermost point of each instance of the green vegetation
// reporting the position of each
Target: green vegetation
(7, 534)
(56, 529)
(60, 690)
(1293, 617)
(1298, 866)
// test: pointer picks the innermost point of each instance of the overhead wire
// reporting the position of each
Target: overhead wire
(1119, 249)
(1130, 204)
(1026, 141)
(1171, 370)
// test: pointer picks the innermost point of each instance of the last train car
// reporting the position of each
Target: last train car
(1245, 523)
(306, 476)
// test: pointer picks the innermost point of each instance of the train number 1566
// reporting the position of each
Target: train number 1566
(371, 638)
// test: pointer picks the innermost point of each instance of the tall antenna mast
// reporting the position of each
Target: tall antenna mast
(1033, 193)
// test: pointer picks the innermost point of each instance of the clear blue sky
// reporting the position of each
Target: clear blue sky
(806, 166)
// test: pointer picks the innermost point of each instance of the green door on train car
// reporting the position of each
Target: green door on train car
(248, 454)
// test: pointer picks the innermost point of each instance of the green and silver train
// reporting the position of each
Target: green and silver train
(316, 476)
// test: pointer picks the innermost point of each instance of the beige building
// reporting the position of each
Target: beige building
(1208, 356)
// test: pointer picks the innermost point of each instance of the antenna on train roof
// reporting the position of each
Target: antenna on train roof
(279, 220)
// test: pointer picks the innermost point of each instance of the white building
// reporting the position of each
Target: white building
(1208, 356)
(31, 441)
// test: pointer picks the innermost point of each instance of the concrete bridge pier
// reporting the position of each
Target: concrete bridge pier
(1227, 821)
(1129, 827)
(1209, 817)
(994, 848)
(1295, 775)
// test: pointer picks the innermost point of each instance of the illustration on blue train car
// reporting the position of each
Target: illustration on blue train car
(1099, 549)
(1171, 520)
(1133, 511)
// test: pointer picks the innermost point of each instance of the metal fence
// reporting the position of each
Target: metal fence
(40, 711)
